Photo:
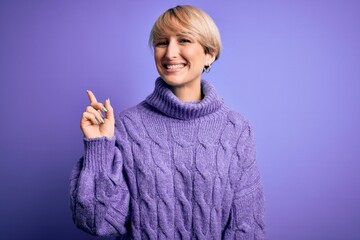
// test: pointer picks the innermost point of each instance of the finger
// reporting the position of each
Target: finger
(110, 110)
(90, 117)
(91, 96)
(99, 106)
(96, 113)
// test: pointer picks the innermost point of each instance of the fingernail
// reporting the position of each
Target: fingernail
(108, 100)
(97, 123)
(102, 120)
(104, 108)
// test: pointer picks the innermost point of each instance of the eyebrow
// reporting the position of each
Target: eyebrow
(178, 34)
(184, 33)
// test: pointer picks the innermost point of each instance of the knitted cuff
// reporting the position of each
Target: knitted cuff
(99, 153)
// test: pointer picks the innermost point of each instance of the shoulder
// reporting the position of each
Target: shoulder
(239, 120)
(129, 121)
(236, 128)
(129, 113)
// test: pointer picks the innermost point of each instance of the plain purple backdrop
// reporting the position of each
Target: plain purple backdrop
(291, 67)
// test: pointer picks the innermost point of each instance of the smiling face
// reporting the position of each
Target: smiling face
(180, 59)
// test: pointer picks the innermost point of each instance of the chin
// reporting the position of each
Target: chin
(173, 81)
(177, 81)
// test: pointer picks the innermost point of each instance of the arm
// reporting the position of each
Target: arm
(98, 191)
(99, 194)
(247, 212)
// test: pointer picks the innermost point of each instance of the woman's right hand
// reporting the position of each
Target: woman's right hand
(93, 124)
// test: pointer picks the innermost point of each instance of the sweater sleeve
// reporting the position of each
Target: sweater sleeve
(247, 211)
(99, 195)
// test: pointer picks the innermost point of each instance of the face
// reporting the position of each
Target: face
(180, 59)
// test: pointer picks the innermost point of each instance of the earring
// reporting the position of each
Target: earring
(207, 68)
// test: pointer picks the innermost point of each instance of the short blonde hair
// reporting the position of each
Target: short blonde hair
(192, 19)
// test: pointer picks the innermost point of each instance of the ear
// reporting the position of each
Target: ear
(210, 58)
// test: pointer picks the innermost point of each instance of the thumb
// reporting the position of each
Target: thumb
(110, 110)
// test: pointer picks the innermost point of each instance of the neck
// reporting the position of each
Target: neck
(189, 92)
(165, 101)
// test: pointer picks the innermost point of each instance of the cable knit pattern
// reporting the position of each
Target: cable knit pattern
(174, 170)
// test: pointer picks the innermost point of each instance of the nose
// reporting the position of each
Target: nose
(172, 50)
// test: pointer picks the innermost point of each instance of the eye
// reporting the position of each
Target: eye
(161, 43)
(184, 40)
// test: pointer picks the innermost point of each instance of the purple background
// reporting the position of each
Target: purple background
(291, 67)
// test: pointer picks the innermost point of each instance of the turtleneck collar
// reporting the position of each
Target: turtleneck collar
(164, 100)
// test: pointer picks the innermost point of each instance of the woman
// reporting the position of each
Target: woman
(179, 165)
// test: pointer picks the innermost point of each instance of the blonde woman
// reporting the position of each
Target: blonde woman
(180, 164)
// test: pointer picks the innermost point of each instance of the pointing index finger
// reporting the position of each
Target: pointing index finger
(91, 96)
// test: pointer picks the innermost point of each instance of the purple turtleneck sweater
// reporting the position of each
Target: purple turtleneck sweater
(174, 170)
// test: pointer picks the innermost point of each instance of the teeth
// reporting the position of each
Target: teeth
(175, 66)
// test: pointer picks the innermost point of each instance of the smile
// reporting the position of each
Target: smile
(174, 66)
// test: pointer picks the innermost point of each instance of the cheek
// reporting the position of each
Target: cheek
(157, 60)
(197, 56)
(157, 56)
